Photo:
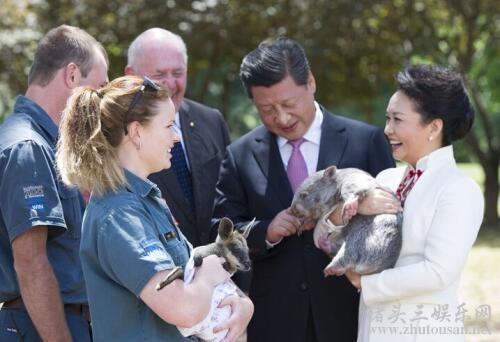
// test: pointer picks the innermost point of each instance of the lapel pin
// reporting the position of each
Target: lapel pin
(191, 124)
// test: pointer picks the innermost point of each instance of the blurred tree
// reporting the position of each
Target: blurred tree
(354, 49)
(18, 36)
(464, 35)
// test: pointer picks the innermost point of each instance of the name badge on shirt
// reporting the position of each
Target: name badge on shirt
(169, 235)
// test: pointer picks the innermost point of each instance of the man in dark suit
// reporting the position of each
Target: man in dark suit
(189, 185)
(293, 301)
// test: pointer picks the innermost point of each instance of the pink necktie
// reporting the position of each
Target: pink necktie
(297, 168)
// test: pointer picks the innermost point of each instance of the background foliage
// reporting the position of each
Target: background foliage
(354, 48)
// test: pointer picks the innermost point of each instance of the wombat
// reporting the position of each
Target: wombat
(365, 244)
(230, 244)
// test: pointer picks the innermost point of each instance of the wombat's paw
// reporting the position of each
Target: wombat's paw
(333, 271)
(349, 210)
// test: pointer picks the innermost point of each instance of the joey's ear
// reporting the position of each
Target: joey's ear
(248, 228)
(225, 228)
(330, 171)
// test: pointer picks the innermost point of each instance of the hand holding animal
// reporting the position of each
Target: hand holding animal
(230, 245)
(364, 243)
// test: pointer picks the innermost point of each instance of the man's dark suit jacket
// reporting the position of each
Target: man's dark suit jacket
(287, 280)
(205, 137)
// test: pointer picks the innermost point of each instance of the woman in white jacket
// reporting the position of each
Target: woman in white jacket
(417, 299)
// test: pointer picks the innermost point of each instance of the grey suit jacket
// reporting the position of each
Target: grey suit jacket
(205, 137)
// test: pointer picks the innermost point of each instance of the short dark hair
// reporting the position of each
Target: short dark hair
(438, 93)
(272, 61)
(59, 47)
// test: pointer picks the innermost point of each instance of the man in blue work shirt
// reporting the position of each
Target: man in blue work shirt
(41, 281)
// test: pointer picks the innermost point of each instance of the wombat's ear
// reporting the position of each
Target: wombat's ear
(225, 228)
(246, 230)
(330, 171)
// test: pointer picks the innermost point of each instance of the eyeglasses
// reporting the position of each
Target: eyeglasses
(147, 84)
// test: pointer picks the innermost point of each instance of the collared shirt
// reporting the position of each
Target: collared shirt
(178, 130)
(310, 146)
(128, 237)
(445, 152)
(31, 195)
(437, 156)
(309, 149)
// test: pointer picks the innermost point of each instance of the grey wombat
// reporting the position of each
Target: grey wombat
(230, 244)
(366, 244)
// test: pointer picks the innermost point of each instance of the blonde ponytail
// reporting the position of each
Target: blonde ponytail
(92, 128)
(85, 157)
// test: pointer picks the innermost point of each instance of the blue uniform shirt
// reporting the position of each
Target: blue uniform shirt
(129, 236)
(31, 195)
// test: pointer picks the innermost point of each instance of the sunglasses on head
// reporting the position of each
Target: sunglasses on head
(147, 84)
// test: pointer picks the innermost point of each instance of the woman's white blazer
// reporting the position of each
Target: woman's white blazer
(441, 218)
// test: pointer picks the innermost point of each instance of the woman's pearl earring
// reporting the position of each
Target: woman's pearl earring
(430, 138)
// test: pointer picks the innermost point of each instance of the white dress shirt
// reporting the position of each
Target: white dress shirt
(178, 130)
(310, 146)
(309, 149)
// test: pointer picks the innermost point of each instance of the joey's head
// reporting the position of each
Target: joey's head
(314, 196)
(234, 245)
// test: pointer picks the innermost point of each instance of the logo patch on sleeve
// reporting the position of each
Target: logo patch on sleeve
(34, 197)
(152, 250)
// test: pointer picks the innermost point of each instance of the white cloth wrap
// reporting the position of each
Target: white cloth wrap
(216, 315)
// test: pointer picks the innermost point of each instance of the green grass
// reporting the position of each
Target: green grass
(480, 282)
(481, 276)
